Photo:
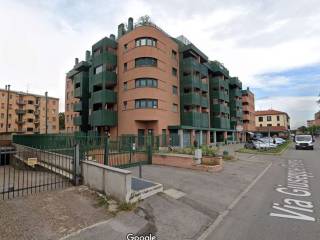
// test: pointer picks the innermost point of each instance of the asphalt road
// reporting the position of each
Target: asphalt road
(270, 210)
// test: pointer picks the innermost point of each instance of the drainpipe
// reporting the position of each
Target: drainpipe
(46, 95)
(7, 120)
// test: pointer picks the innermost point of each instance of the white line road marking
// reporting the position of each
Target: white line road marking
(220, 218)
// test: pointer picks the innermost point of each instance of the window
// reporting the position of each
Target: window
(30, 102)
(268, 118)
(2, 105)
(10, 106)
(146, 103)
(146, 62)
(174, 90)
(174, 54)
(260, 125)
(98, 70)
(125, 86)
(278, 124)
(125, 47)
(174, 72)
(278, 118)
(2, 115)
(125, 66)
(67, 107)
(29, 129)
(146, 42)
(146, 82)
(30, 120)
(174, 107)
(260, 119)
(125, 104)
(269, 125)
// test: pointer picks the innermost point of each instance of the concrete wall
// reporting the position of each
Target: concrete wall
(112, 181)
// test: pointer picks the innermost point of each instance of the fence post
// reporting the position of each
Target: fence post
(149, 153)
(76, 165)
(106, 151)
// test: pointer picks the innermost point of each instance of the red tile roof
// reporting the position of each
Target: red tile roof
(269, 112)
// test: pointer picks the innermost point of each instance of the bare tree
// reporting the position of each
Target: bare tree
(144, 19)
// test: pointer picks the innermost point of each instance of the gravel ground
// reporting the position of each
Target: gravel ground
(50, 215)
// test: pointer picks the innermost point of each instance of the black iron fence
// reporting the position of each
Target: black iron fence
(25, 170)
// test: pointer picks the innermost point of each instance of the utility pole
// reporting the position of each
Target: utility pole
(8, 98)
(46, 94)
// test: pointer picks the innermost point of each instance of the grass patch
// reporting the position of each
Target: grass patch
(102, 202)
(228, 157)
(272, 151)
(124, 206)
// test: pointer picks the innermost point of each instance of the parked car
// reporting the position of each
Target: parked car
(304, 142)
(256, 144)
(269, 142)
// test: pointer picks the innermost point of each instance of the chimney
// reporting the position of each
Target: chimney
(87, 55)
(112, 37)
(120, 30)
(76, 61)
(130, 24)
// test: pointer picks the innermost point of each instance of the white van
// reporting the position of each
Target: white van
(304, 142)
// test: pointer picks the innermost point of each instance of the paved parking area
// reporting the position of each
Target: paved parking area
(49, 215)
(202, 197)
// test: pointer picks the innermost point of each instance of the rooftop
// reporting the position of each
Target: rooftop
(26, 93)
(269, 112)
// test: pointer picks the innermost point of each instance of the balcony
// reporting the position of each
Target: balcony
(191, 81)
(219, 82)
(236, 82)
(77, 121)
(105, 57)
(77, 107)
(20, 121)
(37, 112)
(222, 95)
(204, 87)
(191, 99)
(218, 67)
(21, 102)
(190, 64)
(20, 111)
(195, 119)
(205, 102)
(106, 79)
(219, 122)
(103, 118)
(104, 96)
(77, 92)
(220, 108)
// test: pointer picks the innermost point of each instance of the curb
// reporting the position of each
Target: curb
(220, 218)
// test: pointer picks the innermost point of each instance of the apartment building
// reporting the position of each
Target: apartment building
(70, 104)
(273, 121)
(248, 112)
(147, 82)
(315, 121)
(23, 112)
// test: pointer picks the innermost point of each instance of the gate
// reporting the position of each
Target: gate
(26, 170)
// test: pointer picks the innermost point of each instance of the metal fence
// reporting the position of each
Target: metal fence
(25, 170)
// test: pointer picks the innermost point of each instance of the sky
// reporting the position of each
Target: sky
(272, 46)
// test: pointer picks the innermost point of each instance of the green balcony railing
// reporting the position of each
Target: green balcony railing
(77, 107)
(105, 57)
(218, 67)
(236, 82)
(104, 96)
(204, 87)
(221, 122)
(191, 99)
(222, 95)
(105, 78)
(205, 102)
(195, 119)
(191, 64)
(103, 118)
(77, 120)
(77, 92)
(220, 108)
(191, 81)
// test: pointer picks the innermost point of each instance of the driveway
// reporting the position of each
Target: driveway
(192, 200)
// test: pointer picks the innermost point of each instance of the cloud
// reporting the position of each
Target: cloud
(299, 108)
(40, 39)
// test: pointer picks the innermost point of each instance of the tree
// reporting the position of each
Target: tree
(302, 129)
(61, 121)
(144, 19)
